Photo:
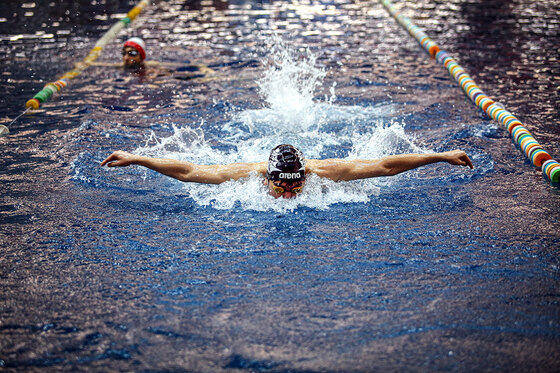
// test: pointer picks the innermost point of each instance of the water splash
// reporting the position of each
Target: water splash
(288, 86)
(291, 114)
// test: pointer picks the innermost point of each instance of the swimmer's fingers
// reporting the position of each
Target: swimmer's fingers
(109, 160)
(467, 161)
(460, 158)
(118, 159)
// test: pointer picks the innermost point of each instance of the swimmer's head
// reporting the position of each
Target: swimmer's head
(286, 163)
(286, 171)
(134, 52)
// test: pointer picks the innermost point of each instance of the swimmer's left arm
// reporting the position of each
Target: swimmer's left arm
(346, 170)
(395, 164)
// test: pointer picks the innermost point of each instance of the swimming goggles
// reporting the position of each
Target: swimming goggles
(132, 53)
(282, 189)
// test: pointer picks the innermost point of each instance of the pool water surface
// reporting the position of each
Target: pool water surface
(437, 269)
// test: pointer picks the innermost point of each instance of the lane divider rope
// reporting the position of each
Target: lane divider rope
(521, 136)
(50, 88)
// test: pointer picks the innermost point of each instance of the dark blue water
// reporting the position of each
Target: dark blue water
(439, 269)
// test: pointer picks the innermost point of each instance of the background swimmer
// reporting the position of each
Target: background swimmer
(134, 61)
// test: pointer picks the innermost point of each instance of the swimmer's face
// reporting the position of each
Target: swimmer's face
(131, 58)
(284, 189)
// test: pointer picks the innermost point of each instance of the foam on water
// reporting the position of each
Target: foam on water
(288, 86)
(291, 114)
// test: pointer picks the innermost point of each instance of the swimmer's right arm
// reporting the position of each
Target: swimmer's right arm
(186, 171)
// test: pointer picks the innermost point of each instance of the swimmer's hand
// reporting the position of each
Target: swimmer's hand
(120, 159)
(457, 158)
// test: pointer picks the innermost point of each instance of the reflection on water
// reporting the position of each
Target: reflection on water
(127, 270)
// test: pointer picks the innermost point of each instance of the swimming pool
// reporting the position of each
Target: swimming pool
(126, 270)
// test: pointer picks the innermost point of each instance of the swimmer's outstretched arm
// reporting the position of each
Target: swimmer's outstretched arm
(187, 171)
(345, 170)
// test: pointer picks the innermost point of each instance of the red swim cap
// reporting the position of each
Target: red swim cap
(137, 44)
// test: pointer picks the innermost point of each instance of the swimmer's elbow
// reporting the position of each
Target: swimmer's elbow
(181, 177)
(383, 168)
(185, 173)
(359, 169)
(386, 167)
(203, 174)
(390, 171)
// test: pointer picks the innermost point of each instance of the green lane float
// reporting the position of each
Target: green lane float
(521, 137)
(51, 88)
(551, 172)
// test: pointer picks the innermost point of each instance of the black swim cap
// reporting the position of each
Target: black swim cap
(286, 163)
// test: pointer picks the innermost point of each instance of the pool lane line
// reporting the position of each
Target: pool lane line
(49, 89)
(5, 130)
(521, 137)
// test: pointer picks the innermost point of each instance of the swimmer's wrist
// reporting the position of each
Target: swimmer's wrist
(140, 160)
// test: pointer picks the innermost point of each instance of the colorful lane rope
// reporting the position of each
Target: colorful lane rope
(49, 89)
(521, 136)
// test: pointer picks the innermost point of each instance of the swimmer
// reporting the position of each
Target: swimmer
(134, 54)
(286, 169)
(134, 61)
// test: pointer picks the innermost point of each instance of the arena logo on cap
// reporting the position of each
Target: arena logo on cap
(290, 175)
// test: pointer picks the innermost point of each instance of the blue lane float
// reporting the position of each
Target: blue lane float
(521, 136)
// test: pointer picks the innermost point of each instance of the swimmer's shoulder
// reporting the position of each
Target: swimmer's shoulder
(258, 167)
(316, 165)
(329, 168)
